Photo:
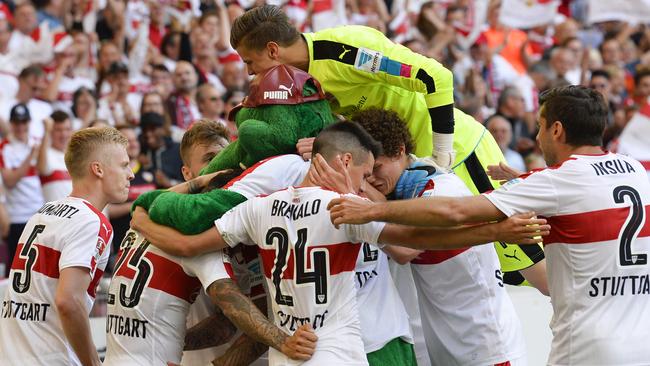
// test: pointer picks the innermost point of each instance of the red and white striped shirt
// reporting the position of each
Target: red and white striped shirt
(309, 267)
(65, 233)
(597, 255)
(25, 198)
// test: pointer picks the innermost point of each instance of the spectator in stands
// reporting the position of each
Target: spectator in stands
(162, 153)
(562, 63)
(233, 76)
(511, 107)
(18, 154)
(25, 23)
(642, 86)
(108, 54)
(209, 102)
(143, 181)
(64, 82)
(501, 129)
(55, 180)
(182, 103)
(161, 80)
(84, 108)
(119, 107)
(30, 82)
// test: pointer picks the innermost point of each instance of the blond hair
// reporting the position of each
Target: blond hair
(87, 141)
(203, 132)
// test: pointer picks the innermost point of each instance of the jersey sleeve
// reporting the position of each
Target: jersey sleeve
(85, 244)
(209, 267)
(535, 192)
(236, 225)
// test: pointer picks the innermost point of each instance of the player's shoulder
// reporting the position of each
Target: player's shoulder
(447, 184)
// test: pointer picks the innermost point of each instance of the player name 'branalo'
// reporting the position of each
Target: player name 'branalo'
(295, 212)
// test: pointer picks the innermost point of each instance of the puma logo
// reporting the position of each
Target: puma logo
(514, 255)
(282, 87)
(345, 50)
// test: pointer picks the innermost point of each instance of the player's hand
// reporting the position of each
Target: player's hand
(370, 192)
(138, 218)
(350, 210)
(335, 178)
(302, 344)
(304, 147)
(48, 122)
(523, 228)
(502, 172)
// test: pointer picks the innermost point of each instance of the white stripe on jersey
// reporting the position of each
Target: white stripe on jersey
(599, 277)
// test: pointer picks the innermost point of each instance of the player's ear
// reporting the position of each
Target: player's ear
(187, 174)
(96, 169)
(346, 159)
(273, 50)
(557, 131)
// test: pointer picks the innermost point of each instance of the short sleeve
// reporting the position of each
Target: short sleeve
(535, 192)
(209, 267)
(235, 225)
(85, 245)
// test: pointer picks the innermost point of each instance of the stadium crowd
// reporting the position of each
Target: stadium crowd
(152, 69)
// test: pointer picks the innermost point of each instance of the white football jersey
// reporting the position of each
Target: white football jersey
(62, 234)
(149, 298)
(597, 255)
(467, 315)
(270, 175)
(309, 267)
(378, 298)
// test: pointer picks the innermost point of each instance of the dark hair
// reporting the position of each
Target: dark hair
(261, 25)
(387, 128)
(32, 70)
(167, 41)
(59, 116)
(77, 94)
(581, 110)
(159, 67)
(346, 137)
(600, 72)
(641, 72)
(207, 14)
(203, 132)
(507, 92)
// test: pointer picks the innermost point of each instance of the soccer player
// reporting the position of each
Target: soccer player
(151, 292)
(61, 256)
(596, 203)
(308, 263)
(443, 278)
(359, 67)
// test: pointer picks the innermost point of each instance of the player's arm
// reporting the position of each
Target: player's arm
(245, 350)
(437, 211)
(240, 309)
(401, 255)
(174, 242)
(212, 331)
(435, 81)
(70, 302)
(520, 228)
(197, 184)
(536, 275)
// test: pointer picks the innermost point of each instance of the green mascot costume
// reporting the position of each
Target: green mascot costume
(284, 105)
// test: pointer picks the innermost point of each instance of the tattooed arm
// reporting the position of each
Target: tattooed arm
(243, 313)
(212, 331)
(244, 351)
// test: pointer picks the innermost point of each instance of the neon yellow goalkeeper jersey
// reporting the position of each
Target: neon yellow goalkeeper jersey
(362, 68)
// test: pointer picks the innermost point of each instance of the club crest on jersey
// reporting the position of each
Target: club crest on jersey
(283, 93)
(368, 60)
